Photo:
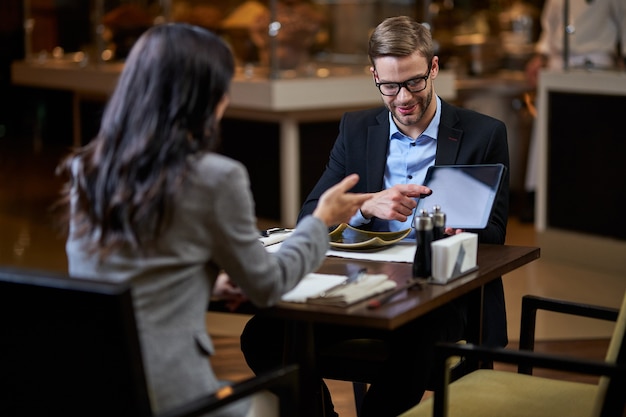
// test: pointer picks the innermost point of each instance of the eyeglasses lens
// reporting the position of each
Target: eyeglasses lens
(414, 86)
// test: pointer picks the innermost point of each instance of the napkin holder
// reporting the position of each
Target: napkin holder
(453, 257)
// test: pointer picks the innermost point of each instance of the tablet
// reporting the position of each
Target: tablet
(465, 193)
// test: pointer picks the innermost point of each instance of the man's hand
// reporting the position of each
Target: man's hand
(451, 232)
(395, 203)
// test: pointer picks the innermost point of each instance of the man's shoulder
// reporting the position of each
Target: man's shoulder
(451, 114)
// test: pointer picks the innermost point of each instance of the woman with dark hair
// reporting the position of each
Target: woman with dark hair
(150, 202)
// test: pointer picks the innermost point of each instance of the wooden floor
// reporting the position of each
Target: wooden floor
(28, 186)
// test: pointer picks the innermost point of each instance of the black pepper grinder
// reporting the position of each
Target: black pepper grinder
(439, 223)
(422, 265)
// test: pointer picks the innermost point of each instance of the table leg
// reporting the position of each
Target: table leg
(289, 171)
(474, 325)
(300, 348)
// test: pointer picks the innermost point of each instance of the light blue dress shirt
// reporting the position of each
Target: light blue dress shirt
(408, 160)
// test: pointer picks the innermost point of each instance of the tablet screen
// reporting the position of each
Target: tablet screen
(465, 193)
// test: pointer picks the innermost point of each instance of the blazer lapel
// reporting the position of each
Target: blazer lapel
(448, 144)
(449, 138)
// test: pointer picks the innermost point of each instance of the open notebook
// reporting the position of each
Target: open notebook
(334, 290)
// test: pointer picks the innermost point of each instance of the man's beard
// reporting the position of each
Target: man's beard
(412, 119)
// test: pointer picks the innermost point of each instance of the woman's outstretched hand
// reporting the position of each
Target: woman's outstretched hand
(337, 205)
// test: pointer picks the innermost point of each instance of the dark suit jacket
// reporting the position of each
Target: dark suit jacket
(465, 137)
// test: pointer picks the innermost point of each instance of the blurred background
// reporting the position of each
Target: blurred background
(482, 44)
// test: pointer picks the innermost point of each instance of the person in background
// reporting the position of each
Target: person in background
(149, 202)
(597, 42)
(391, 148)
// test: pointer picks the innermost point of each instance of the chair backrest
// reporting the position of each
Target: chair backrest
(610, 396)
(68, 347)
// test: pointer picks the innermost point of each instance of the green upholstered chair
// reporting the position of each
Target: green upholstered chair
(497, 393)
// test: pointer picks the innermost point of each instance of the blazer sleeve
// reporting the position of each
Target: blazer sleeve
(498, 152)
(264, 277)
(493, 136)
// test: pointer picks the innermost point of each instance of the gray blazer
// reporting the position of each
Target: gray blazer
(213, 227)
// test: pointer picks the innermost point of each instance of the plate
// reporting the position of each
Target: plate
(348, 237)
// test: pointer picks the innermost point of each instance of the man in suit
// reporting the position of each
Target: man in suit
(391, 148)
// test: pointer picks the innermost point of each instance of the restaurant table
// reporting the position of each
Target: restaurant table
(493, 261)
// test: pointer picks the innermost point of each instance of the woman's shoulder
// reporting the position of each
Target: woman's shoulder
(214, 163)
(213, 169)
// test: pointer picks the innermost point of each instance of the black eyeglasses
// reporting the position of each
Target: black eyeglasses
(414, 85)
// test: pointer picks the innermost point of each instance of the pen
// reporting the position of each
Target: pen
(268, 232)
(352, 278)
(385, 298)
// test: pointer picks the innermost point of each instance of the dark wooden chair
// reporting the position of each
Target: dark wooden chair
(70, 347)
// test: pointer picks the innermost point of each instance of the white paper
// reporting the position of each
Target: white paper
(369, 286)
(312, 285)
(275, 238)
(399, 252)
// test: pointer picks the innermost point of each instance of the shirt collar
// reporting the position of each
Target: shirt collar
(431, 130)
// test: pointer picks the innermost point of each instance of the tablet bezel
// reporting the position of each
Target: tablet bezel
(444, 182)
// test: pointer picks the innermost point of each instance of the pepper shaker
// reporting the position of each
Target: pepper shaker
(439, 223)
(422, 264)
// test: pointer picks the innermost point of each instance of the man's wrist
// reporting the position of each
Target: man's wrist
(358, 219)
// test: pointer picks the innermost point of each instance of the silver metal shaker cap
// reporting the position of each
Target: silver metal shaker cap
(423, 221)
(439, 217)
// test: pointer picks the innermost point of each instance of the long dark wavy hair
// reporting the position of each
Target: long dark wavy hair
(161, 113)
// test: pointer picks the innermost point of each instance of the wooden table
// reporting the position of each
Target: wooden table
(493, 262)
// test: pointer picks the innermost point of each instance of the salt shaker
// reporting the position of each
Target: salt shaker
(422, 264)
(439, 223)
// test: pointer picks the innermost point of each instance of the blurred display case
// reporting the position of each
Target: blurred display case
(270, 38)
(292, 55)
(277, 39)
(299, 61)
